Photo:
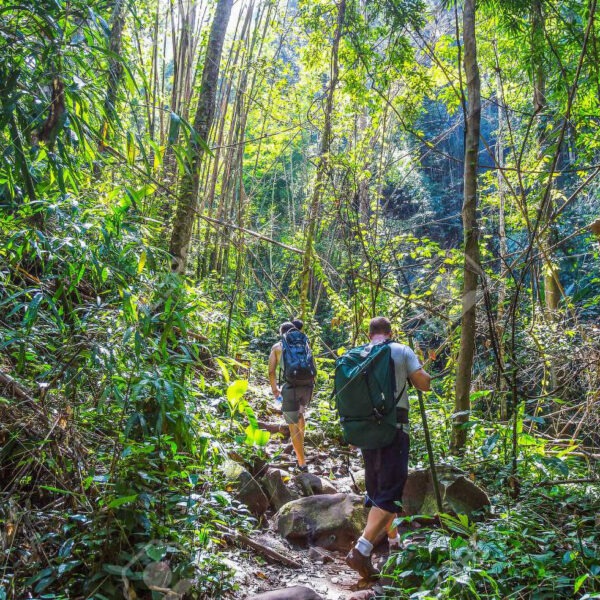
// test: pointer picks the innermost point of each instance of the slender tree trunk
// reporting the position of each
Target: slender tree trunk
(502, 126)
(154, 72)
(185, 37)
(472, 266)
(322, 165)
(188, 201)
(552, 287)
(115, 70)
(219, 165)
(236, 152)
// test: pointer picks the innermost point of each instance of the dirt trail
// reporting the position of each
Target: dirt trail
(332, 579)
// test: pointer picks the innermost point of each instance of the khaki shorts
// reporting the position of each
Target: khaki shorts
(295, 401)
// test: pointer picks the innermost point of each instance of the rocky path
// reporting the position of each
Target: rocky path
(330, 581)
(310, 520)
(323, 571)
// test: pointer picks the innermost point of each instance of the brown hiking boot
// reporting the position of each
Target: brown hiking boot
(361, 564)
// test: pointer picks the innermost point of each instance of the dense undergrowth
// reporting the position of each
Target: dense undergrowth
(111, 450)
(541, 546)
(124, 387)
(539, 540)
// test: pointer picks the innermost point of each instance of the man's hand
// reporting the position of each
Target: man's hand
(421, 380)
(276, 392)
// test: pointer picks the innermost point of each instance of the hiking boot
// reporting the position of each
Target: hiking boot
(361, 564)
(302, 468)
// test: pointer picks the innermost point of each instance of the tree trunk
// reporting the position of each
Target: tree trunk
(502, 127)
(322, 165)
(188, 201)
(472, 266)
(115, 71)
(552, 287)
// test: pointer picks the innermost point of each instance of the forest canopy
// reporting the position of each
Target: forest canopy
(178, 178)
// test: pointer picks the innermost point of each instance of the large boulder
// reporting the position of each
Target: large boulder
(246, 489)
(274, 484)
(332, 521)
(459, 494)
(296, 592)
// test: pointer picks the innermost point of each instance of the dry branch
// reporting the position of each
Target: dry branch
(567, 481)
(239, 538)
(15, 389)
(275, 428)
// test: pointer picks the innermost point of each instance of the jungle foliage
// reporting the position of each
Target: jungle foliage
(331, 183)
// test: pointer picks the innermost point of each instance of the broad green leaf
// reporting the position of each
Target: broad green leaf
(141, 262)
(156, 553)
(236, 390)
(579, 582)
(256, 436)
(122, 500)
(131, 148)
(174, 126)
(224, 369)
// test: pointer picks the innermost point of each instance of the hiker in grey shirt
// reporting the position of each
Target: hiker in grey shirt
(406, 365)
(386, 469)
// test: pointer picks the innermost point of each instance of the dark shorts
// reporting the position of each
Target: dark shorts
(386, 470)
(295, 401)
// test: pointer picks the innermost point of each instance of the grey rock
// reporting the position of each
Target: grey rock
(276, 489)
(459, 494)
(297, 592)
(363, 595)
(311, 484)
(331, 521)
(246, 488)
(320, 555)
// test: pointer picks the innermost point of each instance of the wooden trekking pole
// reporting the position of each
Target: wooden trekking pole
(436, 489)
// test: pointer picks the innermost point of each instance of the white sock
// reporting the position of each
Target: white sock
(364, 546)
(395, 541)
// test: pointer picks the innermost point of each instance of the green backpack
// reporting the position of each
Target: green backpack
(364, 387)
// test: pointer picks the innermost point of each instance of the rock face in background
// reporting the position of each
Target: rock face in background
(332, 521)
(459, 494)
(246, 488)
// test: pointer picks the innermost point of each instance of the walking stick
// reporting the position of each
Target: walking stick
(436, 489)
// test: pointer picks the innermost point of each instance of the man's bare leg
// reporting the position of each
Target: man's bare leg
(378, 521)
(297, 435)
(302, 425)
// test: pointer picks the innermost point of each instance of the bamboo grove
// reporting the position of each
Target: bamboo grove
(177, 178)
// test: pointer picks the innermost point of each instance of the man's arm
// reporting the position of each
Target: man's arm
(421, 379)
(273, 362)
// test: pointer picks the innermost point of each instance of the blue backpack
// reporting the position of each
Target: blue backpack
(298, 364)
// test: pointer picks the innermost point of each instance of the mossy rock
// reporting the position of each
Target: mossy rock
(332, 521)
